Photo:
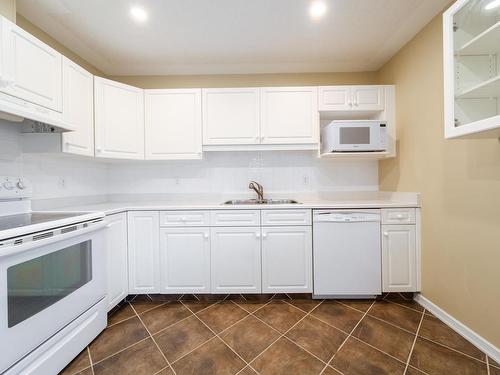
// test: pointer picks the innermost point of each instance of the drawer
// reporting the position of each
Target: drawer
(184, 218)
(286, 217)
(238, 218)
(398, 216)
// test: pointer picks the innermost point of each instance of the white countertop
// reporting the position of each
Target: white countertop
(321, 201)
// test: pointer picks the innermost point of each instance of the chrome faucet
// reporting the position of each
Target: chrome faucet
(255, 186)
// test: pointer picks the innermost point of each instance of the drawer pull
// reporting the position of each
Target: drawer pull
(386, 234)
(399, 216)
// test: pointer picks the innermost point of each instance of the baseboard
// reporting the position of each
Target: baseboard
(478, 341)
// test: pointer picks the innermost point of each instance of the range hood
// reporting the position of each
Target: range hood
(40, 119)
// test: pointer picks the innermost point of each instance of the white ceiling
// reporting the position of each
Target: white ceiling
(231, 36)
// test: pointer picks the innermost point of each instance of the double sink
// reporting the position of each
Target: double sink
(236, 202)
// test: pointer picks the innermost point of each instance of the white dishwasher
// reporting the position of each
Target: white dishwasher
(347, 254)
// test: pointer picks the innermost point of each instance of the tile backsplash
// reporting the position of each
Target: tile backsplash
(61, 175)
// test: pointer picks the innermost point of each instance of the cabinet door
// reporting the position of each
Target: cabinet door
(286, 260)
(368, 98)
(185, 260)
(289, 115)
(143, 252)
(78, 109)
(335, 98)
(173, 124)
(33, 70)
(116, 251)
(235, 260)
(231, 116)
(399, 259)
(119, 120)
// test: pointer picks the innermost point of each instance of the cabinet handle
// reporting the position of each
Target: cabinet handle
(356, 104)
(386, 234)
(257, 234)
(399, 216)
(206, 236)
(264, 235)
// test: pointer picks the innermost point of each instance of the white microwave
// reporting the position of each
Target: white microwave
(354, 135)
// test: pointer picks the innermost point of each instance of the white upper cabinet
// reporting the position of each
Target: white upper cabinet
(173, 124)
(116, 265)
(231, 116)
(32, 70)
(119, 120)
(185, 260)
(471, 70)
(78, 109)
(351, 98)
(368, 98)
(289, 115)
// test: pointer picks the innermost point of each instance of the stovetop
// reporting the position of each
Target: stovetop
(34, 218)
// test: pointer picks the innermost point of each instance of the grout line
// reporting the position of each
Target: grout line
(152, 308)
(164, 368)
(192, 350)
(120, 321)
(414, 342)
(225, 343)
(121, 350)
(347, 338)
(352, 308)
(378, 349)
(90, 359)
(400, 304)
(454, 350)
(284, 333)
(300, 346)
(392, 324)
(156, 344)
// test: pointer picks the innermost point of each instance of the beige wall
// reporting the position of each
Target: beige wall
(8, 9)
(460, 185)
(46, 38)
(239, 80)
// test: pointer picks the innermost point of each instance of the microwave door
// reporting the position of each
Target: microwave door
(355, 137)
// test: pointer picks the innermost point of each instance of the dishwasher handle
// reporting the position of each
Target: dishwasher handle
(346, 217)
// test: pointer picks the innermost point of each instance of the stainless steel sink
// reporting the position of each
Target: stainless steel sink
(258, 201)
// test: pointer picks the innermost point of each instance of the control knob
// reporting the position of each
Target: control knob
(8, 185)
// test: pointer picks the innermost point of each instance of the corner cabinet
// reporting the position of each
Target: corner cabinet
(143, 252)
(173, 124)
(117, 259)
(119, 120)
(78, 109)
(472, 69)
(31, 70)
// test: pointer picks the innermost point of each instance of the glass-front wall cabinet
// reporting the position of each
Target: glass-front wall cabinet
(472, 69)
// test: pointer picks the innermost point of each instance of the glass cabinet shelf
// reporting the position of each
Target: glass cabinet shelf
(472, 69)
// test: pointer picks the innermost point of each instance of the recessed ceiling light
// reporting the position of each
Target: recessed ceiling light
(318, 9)
(138, 13)
(492, 5)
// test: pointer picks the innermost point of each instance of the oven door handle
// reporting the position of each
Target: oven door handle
(18, 249)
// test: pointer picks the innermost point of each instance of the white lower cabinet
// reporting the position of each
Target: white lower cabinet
(235, 260)
(144, 252)
(287, 259)
(399, 258)
(116, 257)
(185, 260)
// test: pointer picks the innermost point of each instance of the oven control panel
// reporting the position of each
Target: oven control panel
(12, 187)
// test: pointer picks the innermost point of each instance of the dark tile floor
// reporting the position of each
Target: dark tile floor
(277, 335)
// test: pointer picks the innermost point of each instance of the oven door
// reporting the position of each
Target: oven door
(46, 284)
(362, 136)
